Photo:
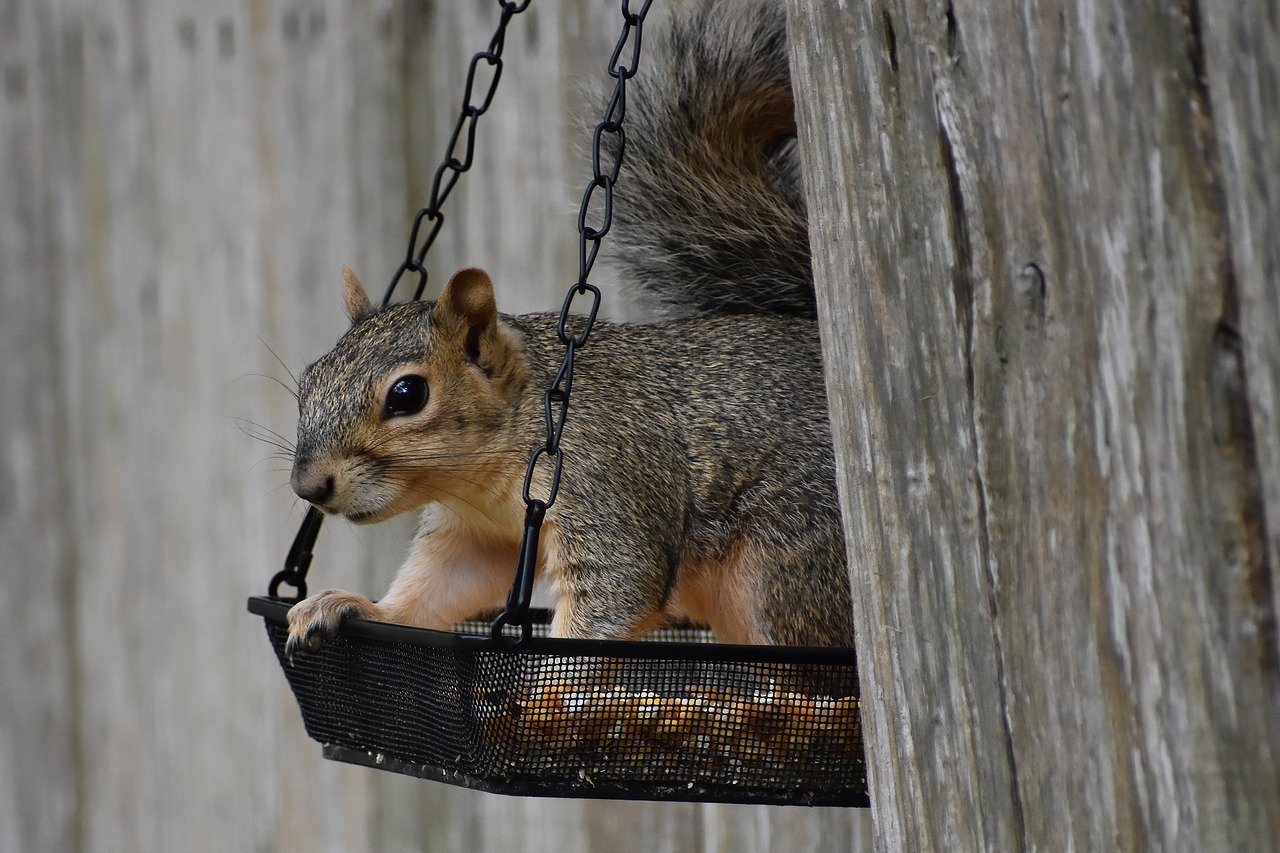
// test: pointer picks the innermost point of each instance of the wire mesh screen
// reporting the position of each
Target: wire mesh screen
(675, 632)
(652, 721)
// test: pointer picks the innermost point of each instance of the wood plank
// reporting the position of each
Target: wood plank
(1241, 66)
(905, 452)
(39, 748)
(1044, 432)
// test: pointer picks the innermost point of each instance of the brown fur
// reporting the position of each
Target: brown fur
(710, 496)
(698, 471)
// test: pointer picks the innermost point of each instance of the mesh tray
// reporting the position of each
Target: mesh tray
(675, 718)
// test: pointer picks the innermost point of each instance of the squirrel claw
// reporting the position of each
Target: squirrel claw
(307, 643)
(315, 620)
(307, 640)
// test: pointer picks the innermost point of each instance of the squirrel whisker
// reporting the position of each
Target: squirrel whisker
(267, 436)
(285, 367)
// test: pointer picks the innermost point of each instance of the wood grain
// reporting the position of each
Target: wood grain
(38, 732)
(1035, 232)
(1241, 67)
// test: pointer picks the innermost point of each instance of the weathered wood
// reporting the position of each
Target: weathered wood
(182, 182)
(1056, 431)
(39, 750)
(1241, 59)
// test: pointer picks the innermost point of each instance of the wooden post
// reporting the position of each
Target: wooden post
(1045, 238)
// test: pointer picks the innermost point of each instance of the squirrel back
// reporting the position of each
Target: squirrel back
(709, 205)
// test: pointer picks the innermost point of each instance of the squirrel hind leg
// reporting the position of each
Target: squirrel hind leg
(602, 603)
(574, 620)
(804, 598)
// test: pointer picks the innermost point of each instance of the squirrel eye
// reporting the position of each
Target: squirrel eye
(406, 396)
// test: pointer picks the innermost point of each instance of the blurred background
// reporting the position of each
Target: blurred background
(181, 182)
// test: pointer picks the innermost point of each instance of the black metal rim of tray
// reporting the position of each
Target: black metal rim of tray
(594, 719)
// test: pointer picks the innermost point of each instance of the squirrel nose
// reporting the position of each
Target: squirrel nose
(313, 489)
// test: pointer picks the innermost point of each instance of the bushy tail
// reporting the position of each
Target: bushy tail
(709, 209)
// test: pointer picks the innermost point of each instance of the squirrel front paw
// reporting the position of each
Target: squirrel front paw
(315, 619)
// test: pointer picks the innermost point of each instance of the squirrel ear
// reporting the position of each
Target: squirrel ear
(468, 297)
(357, 301)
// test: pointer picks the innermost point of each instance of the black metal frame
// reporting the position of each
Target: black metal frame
(323, 687)
(532, 787)
(275, 609)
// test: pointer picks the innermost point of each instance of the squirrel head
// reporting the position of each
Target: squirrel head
(415, 404)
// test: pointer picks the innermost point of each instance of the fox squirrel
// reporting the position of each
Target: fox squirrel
(699, 476)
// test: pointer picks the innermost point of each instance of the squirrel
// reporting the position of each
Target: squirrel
(699, 476)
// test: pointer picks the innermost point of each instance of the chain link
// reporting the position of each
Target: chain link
(426, 227)
(458, 154)
(574, 327)
(549, 455)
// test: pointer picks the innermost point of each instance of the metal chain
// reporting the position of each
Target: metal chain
(446, 177)
(556, 399)
(454, 164)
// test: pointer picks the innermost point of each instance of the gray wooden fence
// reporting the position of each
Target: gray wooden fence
(181, 180)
